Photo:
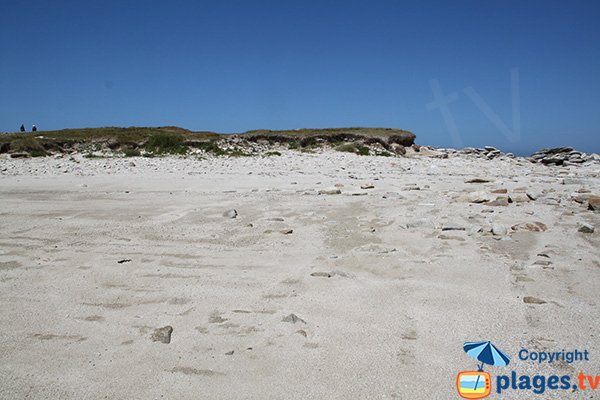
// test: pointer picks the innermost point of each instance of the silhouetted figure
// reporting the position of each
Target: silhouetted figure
(22, 128)
(33, 128)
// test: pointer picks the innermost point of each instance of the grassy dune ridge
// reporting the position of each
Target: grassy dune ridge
(135, 141)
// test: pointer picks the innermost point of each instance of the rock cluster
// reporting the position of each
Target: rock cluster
(562, 156)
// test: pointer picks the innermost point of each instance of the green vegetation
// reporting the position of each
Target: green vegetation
(355, 148)
(166, 143)
(28, 145)
(129, 152)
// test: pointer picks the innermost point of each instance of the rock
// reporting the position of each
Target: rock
(398, 149)
(293, 318)
(586, 228)
(499, 230)
(163, 334)
(287, 231)
(421, 223)
(367, 186)
(530, 226)
(392, 195)
(533, 300)
(131, 164)
(330, 191)
(321, 274)
(594, 203)
(230, 353)
(500, 191)
(452, 227)
(519, 198)
(125, 260)
(501, 201)
(474, 197)
(20, 155)
(477, 180)
(230, 214)
(542, 262)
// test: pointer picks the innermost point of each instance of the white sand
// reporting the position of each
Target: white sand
(389, 323)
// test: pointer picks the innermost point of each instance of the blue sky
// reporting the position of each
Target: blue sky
(232, 66)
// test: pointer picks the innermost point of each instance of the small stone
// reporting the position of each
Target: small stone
(530, 226)
(477, 180)
(500, 191)
(586, 228)
(229, 353)
(421, 223)
(594, 203)
(533, 300)
(163, 334)
(125, 260)
(392, 195)
(499, 230)
(501, 201)
(287, 231)
(519, 198)
(330, 191)
(452, 227)
(542, 262)
(131, 164)
(321, 274)
(293, 318)
(230, 214)
(367, 186)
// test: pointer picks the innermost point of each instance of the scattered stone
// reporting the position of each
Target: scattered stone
(421, 223)
(359, 194)
(330, 191)
(287, 231)
(131, 164)
(501, 201)
(230, 353)
(474, 197)
(533, 300)
(293, 318)
(302, 332)
(500, 191)
(163, 334)
(392, 195)
(452, 227)
(519, 198)
(477, 180)
(125, 260)
(277, 219)
(499, 230)
(449, 237)
(586, 228)
(367, 186)
(321, 274)
(542, 262)
(230, 214)
(530, 226)
(594, 203)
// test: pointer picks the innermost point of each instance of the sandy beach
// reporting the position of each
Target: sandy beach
(337, 276)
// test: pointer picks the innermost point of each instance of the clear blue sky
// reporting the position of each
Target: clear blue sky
(232, 66)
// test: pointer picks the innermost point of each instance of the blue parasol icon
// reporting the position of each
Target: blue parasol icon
(487, 353)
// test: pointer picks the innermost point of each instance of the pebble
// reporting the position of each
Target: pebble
(499, 230)
(533, 300)
(163, 334)
(230, 213)
(367, 186)
(330, 191)
(586, 228)
(421, 223)
(293, 318)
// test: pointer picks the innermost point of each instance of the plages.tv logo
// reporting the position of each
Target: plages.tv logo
(478, 384)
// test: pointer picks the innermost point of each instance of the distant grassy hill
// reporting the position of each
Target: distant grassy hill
(171, 139)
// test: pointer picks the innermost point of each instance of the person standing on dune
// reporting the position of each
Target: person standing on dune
(34, 128)
(22, 128)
